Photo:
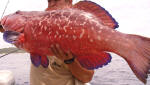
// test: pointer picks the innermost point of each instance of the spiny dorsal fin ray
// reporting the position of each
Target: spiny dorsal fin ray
(98, 11)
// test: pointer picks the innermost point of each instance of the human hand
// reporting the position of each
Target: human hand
(75, 68)
(59, 53)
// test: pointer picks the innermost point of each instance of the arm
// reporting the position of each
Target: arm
(80, 73)
(76, 69)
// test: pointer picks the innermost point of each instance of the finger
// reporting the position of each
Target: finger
(54, 51)
(61, 52)
(70, 55)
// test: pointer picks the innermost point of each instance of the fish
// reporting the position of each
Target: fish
(86, 29)
(1, 28)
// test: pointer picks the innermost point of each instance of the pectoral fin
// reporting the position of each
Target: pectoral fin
(11, 36)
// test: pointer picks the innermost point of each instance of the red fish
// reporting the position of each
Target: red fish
(86, 29)
(1, 29)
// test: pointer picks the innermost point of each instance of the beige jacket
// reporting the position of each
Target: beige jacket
(56, 74)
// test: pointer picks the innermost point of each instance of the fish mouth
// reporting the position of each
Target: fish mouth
(1, 28)
(11, 36)
(7, 25)
(3, 20)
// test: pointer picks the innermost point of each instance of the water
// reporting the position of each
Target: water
(19, 64)
(115, 73)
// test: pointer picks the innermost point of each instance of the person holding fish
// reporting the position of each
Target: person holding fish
(69, 72)
(67, 43)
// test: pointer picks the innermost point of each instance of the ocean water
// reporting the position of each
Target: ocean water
(115, 73)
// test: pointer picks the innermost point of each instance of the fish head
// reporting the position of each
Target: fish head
(14, 22)
(14, 25)
(18, 20)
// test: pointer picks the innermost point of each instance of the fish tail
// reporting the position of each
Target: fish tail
(137, 54)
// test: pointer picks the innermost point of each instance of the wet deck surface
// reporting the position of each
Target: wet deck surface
(116, 73)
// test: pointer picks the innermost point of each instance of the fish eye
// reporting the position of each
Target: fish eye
(17, 12)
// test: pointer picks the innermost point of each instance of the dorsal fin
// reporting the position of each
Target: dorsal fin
(98, 11)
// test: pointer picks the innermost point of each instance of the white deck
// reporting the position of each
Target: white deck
(6, 77)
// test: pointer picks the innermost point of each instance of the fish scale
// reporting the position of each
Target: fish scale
(81, 32)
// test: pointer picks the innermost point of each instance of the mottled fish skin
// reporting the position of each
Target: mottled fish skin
(73, 29)
(69, 26)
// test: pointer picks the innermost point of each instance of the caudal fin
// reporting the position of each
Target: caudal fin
(138, 56)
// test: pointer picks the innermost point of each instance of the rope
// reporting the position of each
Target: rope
(0, 26)
(5, 9)
(9, 53)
